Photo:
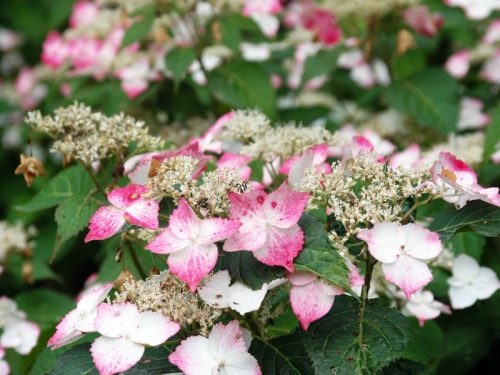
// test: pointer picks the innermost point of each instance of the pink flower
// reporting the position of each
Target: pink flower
(458, 64)
(135, 77)
(55, 50)
(84, 12)
(471, 116)
(406, 159)
(208, 141)
(226, 349)
(190, 242)
(422, 20)
(125, 331)
(491, 69)
(81, 319)
(269, 225)
(262, 6)
(230, 160)
(458, 183)
(29, 89)
(476, 9)
(311, 297)
(492, 34)
(423, 307)
(83, 52)
(402, 250)
(323, 24)
(127, 206)
(139, 174)
(320, 154)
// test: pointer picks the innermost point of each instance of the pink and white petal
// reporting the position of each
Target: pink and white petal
(143, 213)
(422, 311)
(91, 298)
(330, 289)
(230, 160)
(20, 335)
(152, 328)
(462, 297)
(384, 241)
(281, 247)
(106, 222)
(244, 300)
(486, 283)
(420, 242)
(140, 174)
(217, 229)
(226, 338)
(407, 273)
(115, 355)
(240, 363)
(4, 367)
(310, 303)
(297, 171)
(215, 290)
(115, 320)
(406, 159)
(250, 236)
(126, 196)
(246, 204)
(184, 223)
(87, 322)
(167, 243)
(301, 278)
(193, 264)
(193, 357)
(284, 206)
(65, 330)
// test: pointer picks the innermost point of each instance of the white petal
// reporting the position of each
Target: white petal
(152, 328)
(465, 267)
(462, 297)
(193, 357)
(114, 355)
(115, 320)
(243, 299)
(486, 283)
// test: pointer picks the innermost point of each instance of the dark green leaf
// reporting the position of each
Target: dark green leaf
(430, 97)
(242, 84)
(67, 184)
(282, 356)
(243, 266)
(230, 32)
(44, 306)
(178, 60)
(76, 361)
(140, 29)
(469, 243)
(318, 256)
(478, 216)
(336, 345)
(427, 343)
(408, 64)
(324, 62)
(492, 138)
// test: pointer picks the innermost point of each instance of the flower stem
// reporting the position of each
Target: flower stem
(135, 260)
(94, 179)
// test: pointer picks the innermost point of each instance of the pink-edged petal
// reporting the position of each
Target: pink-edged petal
(246, 204)
(193, 357)
(310, 303)
(384, 241)
(217, 229)
(65, 330)
(166, 243)
(301, 278)
(449, 168)
(420, 242)
(115, 320)
(91, 298)
(230, 160)
(281, 247)
(240, 363)
(284, 207)
(250, 236)
(140, 174)
(115, 355)
(225, 338)
(184, 223)
(106, 222)
(126, 196)
(152, 328)
(193, 264)
(20, 335)
(143, 213)
(299, 168)
(407, 273)
(406, 159)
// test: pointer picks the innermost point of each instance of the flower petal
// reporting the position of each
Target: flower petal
(408, 273)
(215, 290)
(106, 222)
(193, 357)
(183, 222)
(115, 320)
(301, 278)
(152, 328)
(65, 330)
(384, 241)
(166, 243)
(462, 296)
(143, 213)
(91, 298)
(126, 196)
(114, 355)
(240, 363)
(486, 283)
(420, 242)
(20, 335)
(284, 207)
(310, 303)
(225, 338)
(217, 229)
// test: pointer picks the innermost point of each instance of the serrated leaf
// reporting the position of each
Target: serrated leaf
(335, 345)
(243, 266)
(67, 184)
(71, 216)
(140, 29)
(478, 216)
(324, 62)
(430, 97)
(242, 84)
(178, 61)
(319, 257)
(284, 355)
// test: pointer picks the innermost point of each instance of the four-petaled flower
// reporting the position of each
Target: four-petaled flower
(190, 242)
(225, 351)
(128, 205)
(402, 250)
(424, 307)
(125, 331)
(269, 225)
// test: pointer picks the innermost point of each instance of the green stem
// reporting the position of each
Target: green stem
(135, 260)
(415, 206)
(369, 264)
(94, 179)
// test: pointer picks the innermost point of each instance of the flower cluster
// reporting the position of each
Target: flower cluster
(15, 238)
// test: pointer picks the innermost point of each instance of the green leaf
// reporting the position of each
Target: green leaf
(478, 216)
(284, 355)
(154, 361)
(44, 306)
(324, 62)
(427, 343)
(430, 97)
(67, 184)
(408, 64)
(469, 243)
(336, 345)
(178, 61)
(492, 138)
(241, 84)
(230, 32)
(319, 257)
(140, 29)
(243, 266)
(72, 215)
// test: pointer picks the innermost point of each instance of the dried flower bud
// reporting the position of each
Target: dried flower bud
(30, 167)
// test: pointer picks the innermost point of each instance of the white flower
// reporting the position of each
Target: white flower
(423, 307)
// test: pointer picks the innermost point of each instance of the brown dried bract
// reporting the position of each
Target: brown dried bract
(30, 168)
